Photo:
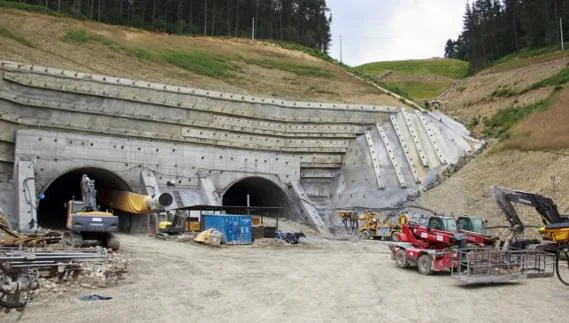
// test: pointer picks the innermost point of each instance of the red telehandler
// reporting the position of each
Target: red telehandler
(428, 242)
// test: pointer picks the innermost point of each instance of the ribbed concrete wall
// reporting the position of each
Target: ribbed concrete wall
(322, 155)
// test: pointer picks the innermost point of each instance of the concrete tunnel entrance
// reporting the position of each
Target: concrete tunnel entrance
(262, 193)
(52, 212)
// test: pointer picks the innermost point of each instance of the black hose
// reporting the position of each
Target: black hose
(558, 259)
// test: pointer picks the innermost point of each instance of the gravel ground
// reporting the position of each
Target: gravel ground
(317, 281)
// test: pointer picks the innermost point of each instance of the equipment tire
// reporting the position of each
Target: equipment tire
(425, 264)
(395, 236)
(113, 242)
(365, 235)
(401, 259)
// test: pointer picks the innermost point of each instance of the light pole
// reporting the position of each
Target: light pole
(341, 61)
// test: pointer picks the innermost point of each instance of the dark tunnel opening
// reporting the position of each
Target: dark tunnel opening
(52, 210)
(262, 193)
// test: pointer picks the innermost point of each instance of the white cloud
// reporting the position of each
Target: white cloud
(378, 30)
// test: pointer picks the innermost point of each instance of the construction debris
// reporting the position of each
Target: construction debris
(210, 237)
(9, 238)
(290, 237)
(24, 271)
(94, 297)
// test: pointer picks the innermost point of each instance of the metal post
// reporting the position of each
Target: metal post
(253, 30)
(341, 61)
(561, 29)
(248, 204)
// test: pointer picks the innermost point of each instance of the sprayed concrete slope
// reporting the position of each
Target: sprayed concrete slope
(209, 147)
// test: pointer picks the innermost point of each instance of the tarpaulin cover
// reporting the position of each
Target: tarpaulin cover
(124, 201)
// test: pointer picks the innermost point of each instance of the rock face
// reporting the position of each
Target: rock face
(210, 148)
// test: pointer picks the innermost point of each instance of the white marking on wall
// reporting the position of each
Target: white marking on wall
(431, 134)
(405, 147)
(374, 160)
(415, 136)
(392, 157)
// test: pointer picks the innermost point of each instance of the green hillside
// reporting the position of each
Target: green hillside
(219, 63)
(418, 79)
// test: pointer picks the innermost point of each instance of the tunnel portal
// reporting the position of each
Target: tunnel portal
(262, 193)
(52, 211)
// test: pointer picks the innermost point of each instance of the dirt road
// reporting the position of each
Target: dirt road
(318, 281)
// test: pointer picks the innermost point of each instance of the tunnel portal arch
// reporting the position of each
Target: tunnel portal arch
(262, 193)
(52, 213)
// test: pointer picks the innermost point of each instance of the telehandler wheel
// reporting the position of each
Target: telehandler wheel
(395, 236)
(401, 259)
(365, 235)
(425, 265)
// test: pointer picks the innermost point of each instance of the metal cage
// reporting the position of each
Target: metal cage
(488, 265)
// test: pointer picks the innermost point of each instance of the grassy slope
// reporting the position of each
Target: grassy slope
(228, 64)
(524, 58)
(420, 79)
(533, 143)
(542, 125)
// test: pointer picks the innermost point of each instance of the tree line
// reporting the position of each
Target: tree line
(494, 28)
(305, 22)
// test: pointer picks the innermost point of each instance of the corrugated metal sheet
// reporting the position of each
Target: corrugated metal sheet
(236, 229)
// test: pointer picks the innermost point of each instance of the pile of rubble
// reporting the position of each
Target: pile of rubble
(40, 271)
(103, 274)
(89, 275)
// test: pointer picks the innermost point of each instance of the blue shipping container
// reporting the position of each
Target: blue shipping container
(236, 229)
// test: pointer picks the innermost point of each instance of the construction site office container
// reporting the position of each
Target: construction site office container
(236, 229)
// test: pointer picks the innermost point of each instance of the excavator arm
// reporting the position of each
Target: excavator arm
(544, 206)
(88, 194)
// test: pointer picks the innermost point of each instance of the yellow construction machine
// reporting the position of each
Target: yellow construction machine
(86, 222)
(387, 229)
(555, 229)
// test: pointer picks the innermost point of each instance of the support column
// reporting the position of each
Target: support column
(26, 195)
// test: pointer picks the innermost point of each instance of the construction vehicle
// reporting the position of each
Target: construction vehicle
(555, 229)
(517, 257)
(176, 226)
(471, 223)
(388, 229)
(85, 222)
(427, 241)
(350, 221)
(474, 257)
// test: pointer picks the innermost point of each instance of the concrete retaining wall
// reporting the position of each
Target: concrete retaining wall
(322, 155)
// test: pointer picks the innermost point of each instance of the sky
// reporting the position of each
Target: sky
(387, 30)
